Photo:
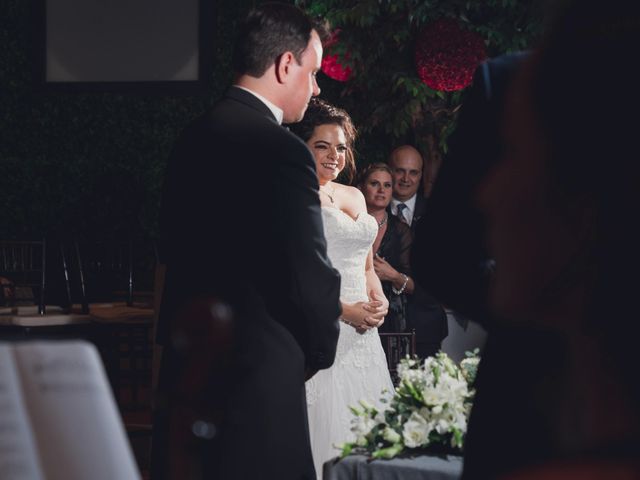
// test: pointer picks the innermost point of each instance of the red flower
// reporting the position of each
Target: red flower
(333, 69)
(447, 55)
(330, 65)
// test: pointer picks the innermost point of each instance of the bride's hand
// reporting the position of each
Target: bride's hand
(360, 315)
(379, 307)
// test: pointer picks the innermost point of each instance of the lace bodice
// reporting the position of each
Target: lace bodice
(348, 244)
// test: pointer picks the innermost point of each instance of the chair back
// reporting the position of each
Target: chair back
(120, 270)
(396, 346)
(104, 269)
(22, 273)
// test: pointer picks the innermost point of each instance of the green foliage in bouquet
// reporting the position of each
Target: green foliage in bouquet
(428, 410)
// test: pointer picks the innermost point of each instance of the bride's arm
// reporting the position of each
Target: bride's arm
(377, 300)
(374, 287)
(366, 315)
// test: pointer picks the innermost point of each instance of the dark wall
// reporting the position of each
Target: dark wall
(84, 162)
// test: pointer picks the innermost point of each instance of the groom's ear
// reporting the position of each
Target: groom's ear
(283, 66)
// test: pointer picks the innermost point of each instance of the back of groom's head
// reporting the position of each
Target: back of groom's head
(267, 32)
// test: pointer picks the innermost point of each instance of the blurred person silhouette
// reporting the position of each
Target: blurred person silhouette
(425, 314)
(566, 255)
(450, 259)
(251, 303)
(566, 247)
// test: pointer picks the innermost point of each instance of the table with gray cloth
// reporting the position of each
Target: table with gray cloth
(423, 467)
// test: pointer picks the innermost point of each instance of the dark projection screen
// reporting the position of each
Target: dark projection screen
(122, 41)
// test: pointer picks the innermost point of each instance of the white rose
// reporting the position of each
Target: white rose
(415, 431)
(433, 396)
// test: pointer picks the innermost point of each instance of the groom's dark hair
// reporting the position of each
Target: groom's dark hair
(267, 32)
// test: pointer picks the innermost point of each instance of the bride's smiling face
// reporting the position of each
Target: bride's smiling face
(329, 147)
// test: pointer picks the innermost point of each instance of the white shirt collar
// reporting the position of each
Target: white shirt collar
(277, 111)
(409, 211)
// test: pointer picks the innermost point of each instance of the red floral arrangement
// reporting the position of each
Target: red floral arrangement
(447, 55)
(330, 65)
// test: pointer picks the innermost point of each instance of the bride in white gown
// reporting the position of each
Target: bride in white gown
(360, 369)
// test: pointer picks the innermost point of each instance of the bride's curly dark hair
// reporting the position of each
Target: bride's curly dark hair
(320, 112)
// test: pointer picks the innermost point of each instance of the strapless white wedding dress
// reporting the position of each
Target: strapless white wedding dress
(360, 369)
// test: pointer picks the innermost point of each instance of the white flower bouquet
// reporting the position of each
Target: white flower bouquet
(429, 410)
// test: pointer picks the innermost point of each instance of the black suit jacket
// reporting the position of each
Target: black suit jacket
(451, 260)
(424, 313)
(241, 223)
(418, 212)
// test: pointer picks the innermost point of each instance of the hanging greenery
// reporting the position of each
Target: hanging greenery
(95, 161)
(409, 61)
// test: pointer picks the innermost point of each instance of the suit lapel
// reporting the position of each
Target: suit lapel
(420, 209)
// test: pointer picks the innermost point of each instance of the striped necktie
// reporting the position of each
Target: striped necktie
(400, 213)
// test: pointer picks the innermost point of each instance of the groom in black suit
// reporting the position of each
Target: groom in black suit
(251, 303)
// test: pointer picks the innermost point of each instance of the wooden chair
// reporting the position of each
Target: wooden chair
(111, 274)
(24, 267)
(22, 272)
(396, 346)
(120, 329)
(124, 316)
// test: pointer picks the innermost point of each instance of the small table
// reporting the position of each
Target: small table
(423, 467)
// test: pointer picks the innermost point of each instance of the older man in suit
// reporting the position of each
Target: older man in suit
(407, 165)
(251, 303)
(424, 313)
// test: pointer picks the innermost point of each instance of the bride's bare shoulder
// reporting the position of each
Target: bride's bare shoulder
(351, 199)
(348, 191)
